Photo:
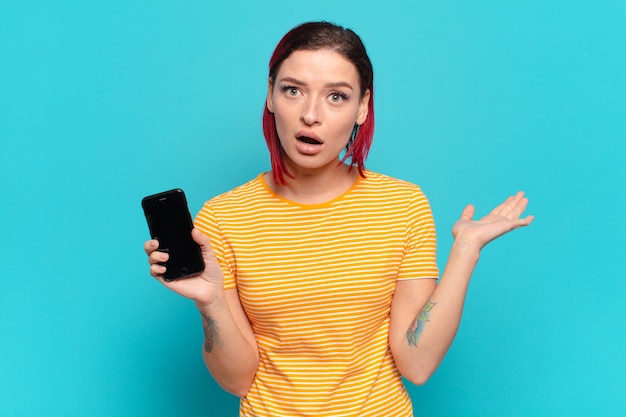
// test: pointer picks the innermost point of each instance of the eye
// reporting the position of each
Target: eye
(337, 97)
(290, 90)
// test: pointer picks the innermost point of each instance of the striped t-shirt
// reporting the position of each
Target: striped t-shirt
(316, 283)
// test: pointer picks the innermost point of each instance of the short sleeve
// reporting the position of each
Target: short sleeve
(420, 247)
(208, 224)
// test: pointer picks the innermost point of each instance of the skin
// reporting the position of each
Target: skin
(316, 95)
(425, 316)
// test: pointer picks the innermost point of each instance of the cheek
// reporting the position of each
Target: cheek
(345, 124)
(282, 127)
(281, 118)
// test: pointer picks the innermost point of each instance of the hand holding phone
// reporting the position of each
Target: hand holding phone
(170, 224)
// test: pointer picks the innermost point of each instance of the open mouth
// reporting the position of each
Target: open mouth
(309, 140)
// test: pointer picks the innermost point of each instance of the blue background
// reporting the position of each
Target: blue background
(102, 103)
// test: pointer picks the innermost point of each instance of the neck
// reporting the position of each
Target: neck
(315, 187)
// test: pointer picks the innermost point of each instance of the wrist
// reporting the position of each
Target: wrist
(206, 305)
(466, 248)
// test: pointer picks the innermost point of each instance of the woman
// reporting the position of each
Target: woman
(320, 289)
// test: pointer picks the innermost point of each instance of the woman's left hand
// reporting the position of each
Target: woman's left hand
(501, 220)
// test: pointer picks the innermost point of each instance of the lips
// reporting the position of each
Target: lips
(308, 143)
(309, 140)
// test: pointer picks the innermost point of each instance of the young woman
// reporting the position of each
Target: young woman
(320, 289)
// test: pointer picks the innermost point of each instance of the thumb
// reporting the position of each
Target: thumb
(468, 212)
(201, 239)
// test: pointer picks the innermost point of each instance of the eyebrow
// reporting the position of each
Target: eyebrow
(331, 85)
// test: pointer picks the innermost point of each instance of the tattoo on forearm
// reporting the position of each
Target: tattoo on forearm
(211, 332)
(417, 327)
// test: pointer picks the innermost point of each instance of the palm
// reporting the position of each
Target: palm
(200, 288)
(203, 286)
(196, 288)
(501, 220)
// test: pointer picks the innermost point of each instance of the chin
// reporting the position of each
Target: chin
(310, 166)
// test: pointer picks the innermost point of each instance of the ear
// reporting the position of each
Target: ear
(269, 99)
(363, 108)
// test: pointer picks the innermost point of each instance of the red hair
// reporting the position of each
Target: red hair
(313, 36)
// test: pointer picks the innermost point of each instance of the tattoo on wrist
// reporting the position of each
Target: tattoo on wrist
(417, 327)
(211, 332)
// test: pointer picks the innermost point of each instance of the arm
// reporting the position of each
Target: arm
(425, 316)
(230, 350)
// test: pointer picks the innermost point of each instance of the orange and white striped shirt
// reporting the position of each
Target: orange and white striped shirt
(316, 282)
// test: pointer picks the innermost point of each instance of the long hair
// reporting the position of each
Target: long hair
(314, 36)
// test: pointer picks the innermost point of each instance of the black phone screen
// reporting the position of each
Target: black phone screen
(170, 223)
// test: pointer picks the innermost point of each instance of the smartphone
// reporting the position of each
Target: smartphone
(170, 223)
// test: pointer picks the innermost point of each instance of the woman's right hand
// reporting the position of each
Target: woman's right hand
(203, 288)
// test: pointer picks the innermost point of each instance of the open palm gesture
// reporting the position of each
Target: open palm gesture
(501, 220)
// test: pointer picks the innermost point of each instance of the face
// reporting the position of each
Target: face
(316, 100)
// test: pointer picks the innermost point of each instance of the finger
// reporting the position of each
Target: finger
(526, 220)
(468, 212)
(510, 207)
(201, 239)
(518, 206)
(503, 207)
(150, 246)
(157, 271)
(158, 257)
(517, 223)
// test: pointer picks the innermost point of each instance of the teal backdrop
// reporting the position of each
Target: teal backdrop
(104, 102)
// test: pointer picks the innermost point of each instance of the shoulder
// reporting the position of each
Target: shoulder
(382, 180)
(391, 186)
(390, 192)
(233, 203)
(241, 195)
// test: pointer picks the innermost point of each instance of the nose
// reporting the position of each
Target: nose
(311, 112)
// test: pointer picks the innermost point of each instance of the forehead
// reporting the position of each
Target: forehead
(324, 65)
